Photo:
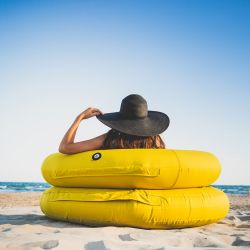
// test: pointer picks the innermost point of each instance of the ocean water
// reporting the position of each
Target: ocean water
(41, 186)
(23, 186)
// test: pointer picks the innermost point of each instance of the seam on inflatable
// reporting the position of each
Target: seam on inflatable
(114, 200)
(154, 172)
(131, 195)
(85, 175)
(179, 169)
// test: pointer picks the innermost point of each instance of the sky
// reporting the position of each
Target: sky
(188, 58)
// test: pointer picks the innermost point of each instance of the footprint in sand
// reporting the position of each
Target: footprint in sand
(50, 244)
(244, 217)
(95, 245)
(42, 244)
(6, 229)
(237, 235)
(241, 243)
(206, 242)
(232, 217)
(125, 237)
(243, 226)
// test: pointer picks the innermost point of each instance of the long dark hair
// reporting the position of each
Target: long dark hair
(118, 140)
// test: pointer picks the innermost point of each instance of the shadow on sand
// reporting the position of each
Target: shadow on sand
(34, 219)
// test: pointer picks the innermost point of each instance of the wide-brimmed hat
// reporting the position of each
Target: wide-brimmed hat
(134, 118)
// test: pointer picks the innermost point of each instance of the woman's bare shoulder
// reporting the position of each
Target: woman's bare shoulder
(87, 145)
(97, 142)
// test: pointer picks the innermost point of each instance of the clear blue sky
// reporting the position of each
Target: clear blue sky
(189, 59)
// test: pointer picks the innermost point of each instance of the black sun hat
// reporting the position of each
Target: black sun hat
(134, 118)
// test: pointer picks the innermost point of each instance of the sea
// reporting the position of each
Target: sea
(41, 186)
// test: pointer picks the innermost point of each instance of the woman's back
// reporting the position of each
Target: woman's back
(118, 140)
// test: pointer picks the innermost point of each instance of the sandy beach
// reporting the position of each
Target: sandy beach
(23, 226)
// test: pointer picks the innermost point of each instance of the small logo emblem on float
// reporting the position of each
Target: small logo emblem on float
(96, 156)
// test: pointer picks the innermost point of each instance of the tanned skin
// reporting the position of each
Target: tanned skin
(68, 146)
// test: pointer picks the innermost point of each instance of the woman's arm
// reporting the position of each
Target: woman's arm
(67, 145)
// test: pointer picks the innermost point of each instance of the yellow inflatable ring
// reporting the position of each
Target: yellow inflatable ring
(160, 209)
(132, 168)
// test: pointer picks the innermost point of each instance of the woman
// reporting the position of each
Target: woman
(132, 127)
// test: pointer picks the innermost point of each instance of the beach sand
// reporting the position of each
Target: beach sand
(23, 226)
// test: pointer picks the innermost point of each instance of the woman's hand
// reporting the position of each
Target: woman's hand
(67, 145)
(89, 112)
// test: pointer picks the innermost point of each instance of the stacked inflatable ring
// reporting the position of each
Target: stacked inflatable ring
(145, 188)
